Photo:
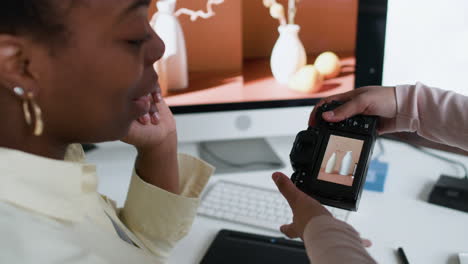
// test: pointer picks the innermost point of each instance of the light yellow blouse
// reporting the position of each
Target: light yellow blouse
(51, 212)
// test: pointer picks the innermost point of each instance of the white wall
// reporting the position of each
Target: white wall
(427, 41)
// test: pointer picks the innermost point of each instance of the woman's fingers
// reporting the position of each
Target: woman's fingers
(344, 97)
(347, 110)
(366, 243)
(312, 119)
(289, 231)
(145, 119)
(154, 111)
(287, 188)
(372, 100)
(341, 97)
(153, 116)
(157, 97)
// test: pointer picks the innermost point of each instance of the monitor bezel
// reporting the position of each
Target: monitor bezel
(369, 64)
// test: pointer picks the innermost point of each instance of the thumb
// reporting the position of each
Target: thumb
(366, 243)
(289, 231)
(287, 188)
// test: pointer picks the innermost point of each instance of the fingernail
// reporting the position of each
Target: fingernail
(329, 114)
(275, 177)
(146, 118)
(159, 96)
(366, 243)
(155, 118)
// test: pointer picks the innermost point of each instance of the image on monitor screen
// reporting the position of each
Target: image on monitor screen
(340, 160)
(233, 96)
(229, 55)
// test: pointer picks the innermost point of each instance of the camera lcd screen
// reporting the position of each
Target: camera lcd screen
(340, 160)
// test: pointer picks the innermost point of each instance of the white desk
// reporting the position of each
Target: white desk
(398, 217)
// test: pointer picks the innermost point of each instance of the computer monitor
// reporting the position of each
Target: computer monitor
(246, 101)
(385, 42)
(232, 94)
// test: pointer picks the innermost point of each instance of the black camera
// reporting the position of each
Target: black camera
(330, 160)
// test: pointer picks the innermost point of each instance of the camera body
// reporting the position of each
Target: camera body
(330, 160)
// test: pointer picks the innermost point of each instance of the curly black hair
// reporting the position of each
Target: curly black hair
(41, 20)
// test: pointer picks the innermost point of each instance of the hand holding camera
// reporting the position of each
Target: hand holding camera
(304, 208)
(371, 100)
(330, 160)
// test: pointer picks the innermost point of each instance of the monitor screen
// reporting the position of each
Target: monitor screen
(387, 42)
(232, 91)
(230, 55)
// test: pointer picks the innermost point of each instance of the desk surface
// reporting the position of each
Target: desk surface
(399, 217)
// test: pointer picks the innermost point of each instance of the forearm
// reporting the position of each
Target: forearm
(159, 167)
(328, 240)
(435, 114)
(160, 218)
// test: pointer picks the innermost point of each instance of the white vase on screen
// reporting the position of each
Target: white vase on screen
(172, 67)
(288, 54)
(331, 163)
(346, 163)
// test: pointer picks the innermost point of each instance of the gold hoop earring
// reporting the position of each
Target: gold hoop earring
(27, 114)
(38, 124)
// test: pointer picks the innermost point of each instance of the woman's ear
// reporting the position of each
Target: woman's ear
(13, 64)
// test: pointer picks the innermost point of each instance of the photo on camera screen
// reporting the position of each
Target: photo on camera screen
(340, 160)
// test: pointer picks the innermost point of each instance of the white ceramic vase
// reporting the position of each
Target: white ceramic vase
(288, 54)
(346, 163)
(172, 68)
(331, 163)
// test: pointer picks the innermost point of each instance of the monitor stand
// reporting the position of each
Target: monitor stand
(234, 156)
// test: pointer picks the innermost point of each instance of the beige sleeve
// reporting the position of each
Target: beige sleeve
(159, 218)
(75, 153)
(332, 241)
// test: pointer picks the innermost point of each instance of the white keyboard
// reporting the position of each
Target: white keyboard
(250, 205)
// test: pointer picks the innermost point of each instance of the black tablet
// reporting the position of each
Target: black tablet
(232, 247)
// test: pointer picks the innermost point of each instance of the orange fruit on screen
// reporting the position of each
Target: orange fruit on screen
(328, 64)
(307, 80)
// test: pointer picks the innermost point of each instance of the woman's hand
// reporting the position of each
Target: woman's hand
(371, 100)
(155, 137)
(304, 207)
(153, 129)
